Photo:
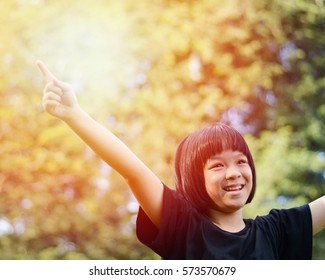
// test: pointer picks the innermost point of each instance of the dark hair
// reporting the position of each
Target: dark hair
(193, 153)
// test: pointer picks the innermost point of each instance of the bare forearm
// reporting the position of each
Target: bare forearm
(317, 208)
(104, 143)
(146, 187)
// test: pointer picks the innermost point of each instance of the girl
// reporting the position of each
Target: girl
(215, 178)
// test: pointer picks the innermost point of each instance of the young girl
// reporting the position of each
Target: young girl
(215, 178)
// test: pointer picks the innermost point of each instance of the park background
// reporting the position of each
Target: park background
(152, 71)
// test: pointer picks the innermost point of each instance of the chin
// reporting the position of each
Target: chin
(228, 207)
(233, 207)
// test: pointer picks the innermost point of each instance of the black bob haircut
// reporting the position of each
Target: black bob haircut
(193, 153)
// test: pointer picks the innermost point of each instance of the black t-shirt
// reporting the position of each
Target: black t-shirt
(187, 234)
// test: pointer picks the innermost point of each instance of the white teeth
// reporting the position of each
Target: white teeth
(234, 188)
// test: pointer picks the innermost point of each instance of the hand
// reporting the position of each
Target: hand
(59, 98)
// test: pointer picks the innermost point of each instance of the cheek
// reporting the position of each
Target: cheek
(212, 181)
(247, 172)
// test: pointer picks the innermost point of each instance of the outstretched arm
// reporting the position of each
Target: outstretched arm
(317, 208)
(60, 101)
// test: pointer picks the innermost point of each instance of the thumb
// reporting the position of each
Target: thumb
(46, 73)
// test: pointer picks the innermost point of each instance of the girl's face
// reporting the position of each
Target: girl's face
(228, 180)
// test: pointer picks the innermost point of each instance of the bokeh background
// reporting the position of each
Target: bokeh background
(152, 71)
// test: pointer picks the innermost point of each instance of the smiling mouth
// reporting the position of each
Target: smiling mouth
(233, 188)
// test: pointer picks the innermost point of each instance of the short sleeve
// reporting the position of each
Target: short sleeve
(170, 240)
(291, 230)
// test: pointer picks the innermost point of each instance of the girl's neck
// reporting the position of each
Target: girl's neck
(231, 222)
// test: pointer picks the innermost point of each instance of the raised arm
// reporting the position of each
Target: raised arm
(60, 101)
(317, 208)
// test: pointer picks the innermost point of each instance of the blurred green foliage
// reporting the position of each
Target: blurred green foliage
(152, 71)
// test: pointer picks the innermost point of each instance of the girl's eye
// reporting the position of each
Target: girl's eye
(242, 161)
(217, 165)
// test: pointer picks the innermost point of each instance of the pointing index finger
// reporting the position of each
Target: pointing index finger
(48, 76)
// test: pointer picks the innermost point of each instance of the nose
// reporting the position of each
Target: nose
(232, 173)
